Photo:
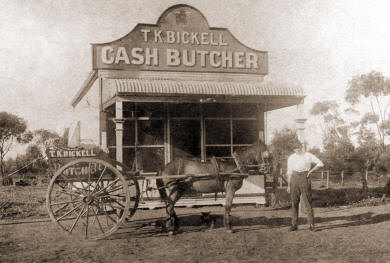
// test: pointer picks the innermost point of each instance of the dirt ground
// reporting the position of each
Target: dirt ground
(359, 234)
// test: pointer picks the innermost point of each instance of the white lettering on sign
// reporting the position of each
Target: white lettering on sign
(139, 56)
(121, 55)
(71, 153)
(106, 51)
(175, 57)
(183, 37)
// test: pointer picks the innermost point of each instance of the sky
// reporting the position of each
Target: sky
(45, 50)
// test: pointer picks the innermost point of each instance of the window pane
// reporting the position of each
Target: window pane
(128, 109)
(216, 110)
(185, 138)
(244, 110)
(150, 110)
(111, 141)
(150, 159)
(112, 153)
(151, 132)
(245, 132)
(217, 132)
(128, 157)
(128, 133)
(184, 110)
(217, 152)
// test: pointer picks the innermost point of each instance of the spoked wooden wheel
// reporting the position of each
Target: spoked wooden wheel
(90, 197)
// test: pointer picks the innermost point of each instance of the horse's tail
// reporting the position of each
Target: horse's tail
(161, 188)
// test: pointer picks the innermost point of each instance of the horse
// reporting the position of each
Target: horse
(171, 189)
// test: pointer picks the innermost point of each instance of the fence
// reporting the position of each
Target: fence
(338, 179)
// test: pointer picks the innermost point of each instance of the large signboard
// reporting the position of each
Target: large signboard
(180, 41)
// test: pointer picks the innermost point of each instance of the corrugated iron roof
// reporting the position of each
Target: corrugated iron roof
(186, 87)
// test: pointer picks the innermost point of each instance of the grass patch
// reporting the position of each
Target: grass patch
(19, 202)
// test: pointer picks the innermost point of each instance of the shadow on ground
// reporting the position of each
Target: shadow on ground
(192, 223)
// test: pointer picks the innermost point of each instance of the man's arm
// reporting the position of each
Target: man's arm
(318, 163)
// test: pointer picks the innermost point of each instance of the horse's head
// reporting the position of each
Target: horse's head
(256, 154)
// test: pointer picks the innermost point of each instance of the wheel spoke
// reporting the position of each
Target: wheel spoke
(97, 219)
(89, 177)
(101, 175)
(77, 188)
(65, 206)
(120, 187)
(66, 202)
(113, 195)
(71, 194)
(77, 207)
(109, 217)
(77, 219)
(86, 226)
(118, 203)
(108, 186)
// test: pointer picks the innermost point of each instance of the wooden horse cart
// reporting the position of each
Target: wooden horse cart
(91, 195)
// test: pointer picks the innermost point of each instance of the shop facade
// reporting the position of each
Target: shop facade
(183, 89)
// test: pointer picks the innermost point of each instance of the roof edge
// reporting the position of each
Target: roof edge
(92, 77)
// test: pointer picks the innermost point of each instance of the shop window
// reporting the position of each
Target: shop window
(151, 110)
(150, 159)
(244, 110)
(221, 151)
(184, 110)
(129, 133)
(217, 110)
(111, 141)
(151, 132)
(185, 138)
(129, 157)
(112, 153)
(245, 131)
(217, 131)
(128, 110)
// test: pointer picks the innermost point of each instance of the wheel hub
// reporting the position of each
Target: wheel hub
(88, 199)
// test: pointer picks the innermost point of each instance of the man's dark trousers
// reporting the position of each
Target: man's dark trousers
(300, 185)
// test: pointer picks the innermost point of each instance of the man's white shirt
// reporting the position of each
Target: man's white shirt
(301, 162)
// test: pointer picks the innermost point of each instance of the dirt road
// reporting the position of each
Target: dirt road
(344, 235)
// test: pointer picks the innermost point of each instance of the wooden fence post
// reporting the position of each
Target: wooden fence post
(281, 178)
(366, 175)
(327, 179)
(322, 177)
(342, 177)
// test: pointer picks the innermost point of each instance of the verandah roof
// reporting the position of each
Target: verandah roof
(275, 95)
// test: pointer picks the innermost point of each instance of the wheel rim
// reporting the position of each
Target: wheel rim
(89, 197)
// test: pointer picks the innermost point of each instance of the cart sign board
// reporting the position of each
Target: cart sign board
(180, 41)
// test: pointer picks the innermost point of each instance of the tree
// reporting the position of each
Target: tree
(336, 134)
(283, 143)
(332, 125)
(12, 128)
(374, 89)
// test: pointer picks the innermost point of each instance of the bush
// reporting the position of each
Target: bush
(383, 163)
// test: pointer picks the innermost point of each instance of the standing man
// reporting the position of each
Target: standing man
(298, 178)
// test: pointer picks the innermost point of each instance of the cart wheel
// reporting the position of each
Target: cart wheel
(88, 197)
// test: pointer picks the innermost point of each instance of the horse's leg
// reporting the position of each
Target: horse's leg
(174, 195)
(229, 189)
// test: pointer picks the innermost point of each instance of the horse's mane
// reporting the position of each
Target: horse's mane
(249, 154)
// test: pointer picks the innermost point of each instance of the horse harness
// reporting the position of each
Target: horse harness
(218, 177)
